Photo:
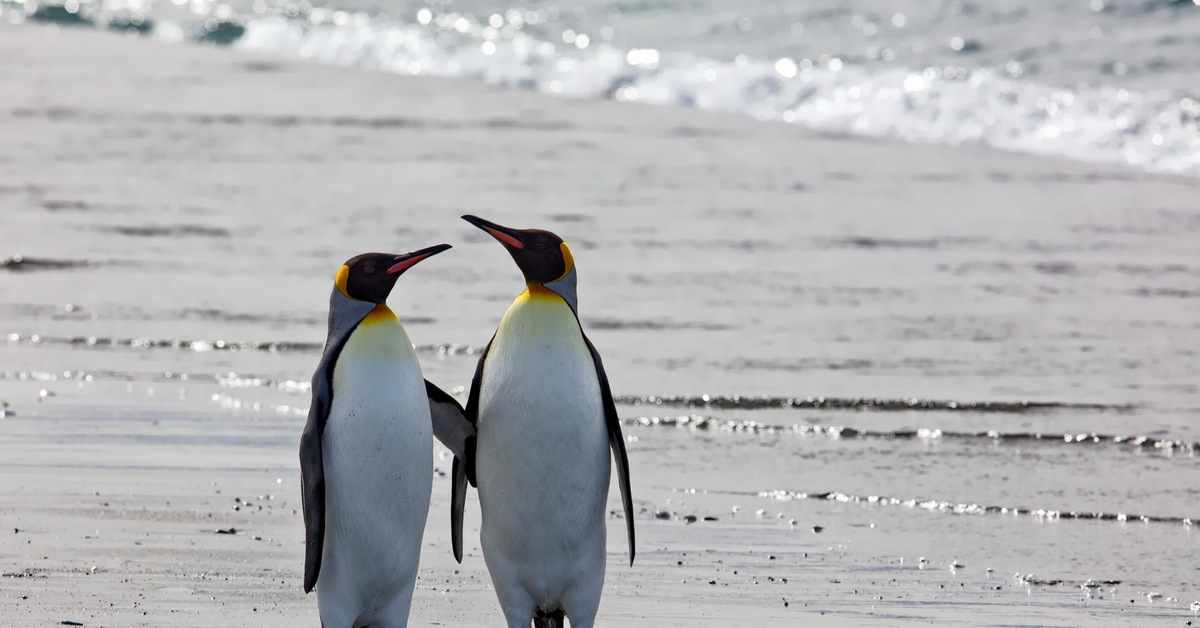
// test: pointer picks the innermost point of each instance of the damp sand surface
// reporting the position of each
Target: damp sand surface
(863, 383)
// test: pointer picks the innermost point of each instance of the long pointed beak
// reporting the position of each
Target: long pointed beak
(506, 235)
(403, 262)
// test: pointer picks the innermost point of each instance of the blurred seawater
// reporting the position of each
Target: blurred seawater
(1110, 82)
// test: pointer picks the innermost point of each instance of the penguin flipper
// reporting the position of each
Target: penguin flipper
(344, 316)
(472, 411)
(450, 424)
(458, 504)
(312, 478)
(451, 427)
(616, 441)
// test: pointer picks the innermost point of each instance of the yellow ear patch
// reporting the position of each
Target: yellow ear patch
(343, 275)
(568, 260)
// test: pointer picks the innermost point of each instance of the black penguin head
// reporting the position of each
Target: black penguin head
(371, 276)
(542, 256)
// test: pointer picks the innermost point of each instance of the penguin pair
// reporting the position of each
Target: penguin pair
(534, 439)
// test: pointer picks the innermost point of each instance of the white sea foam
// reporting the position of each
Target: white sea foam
(1155, 131)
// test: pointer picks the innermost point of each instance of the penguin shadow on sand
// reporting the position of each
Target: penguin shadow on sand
(538, 429)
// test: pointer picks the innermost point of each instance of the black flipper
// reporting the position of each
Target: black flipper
(312, 482)
(462, 472)
(344, 316)
(450, 424)
(472, 410)
(458, 505)
(451, 427)
(616, 441)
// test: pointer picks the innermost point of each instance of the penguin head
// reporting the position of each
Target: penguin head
(542, 256)
(371, 276)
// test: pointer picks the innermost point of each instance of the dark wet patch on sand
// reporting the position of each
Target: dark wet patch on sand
(103, 342)
(841, 431)
(955, 508)
(236, 119)
(569, 217)
(23, 263)
(1057, 268)
(857, 403)
(651, 325)
(170, 231)
(871, 243)
(806, 364)
(212, 314)
(1165, 293)
(262, 66)
(63, 205)
(1154, 270)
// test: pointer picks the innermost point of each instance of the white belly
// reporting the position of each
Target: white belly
(378, 455)
(542, 453)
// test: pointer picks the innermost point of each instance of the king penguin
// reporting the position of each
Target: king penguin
(366, 454)
(545, 422)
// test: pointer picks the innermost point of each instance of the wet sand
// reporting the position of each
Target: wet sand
(178, 212)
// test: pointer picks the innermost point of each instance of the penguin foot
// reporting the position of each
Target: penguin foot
(553, 619)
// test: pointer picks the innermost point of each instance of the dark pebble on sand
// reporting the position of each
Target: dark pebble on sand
(67, 622)
(818, 529)
(710, 518)
(226, 531)
(690, 519)
(662, 514)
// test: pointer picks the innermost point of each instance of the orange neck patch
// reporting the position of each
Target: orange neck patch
(538, 291)
(381, 314)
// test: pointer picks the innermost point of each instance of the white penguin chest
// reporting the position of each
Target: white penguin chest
(540, 397)
(378, 434)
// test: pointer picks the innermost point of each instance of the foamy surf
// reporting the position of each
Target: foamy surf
(941, 105)
(957, 103)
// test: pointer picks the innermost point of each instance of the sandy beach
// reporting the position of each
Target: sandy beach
(172, 216)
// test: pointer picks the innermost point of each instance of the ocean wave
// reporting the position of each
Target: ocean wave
(944, 105)
(1158, 131)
